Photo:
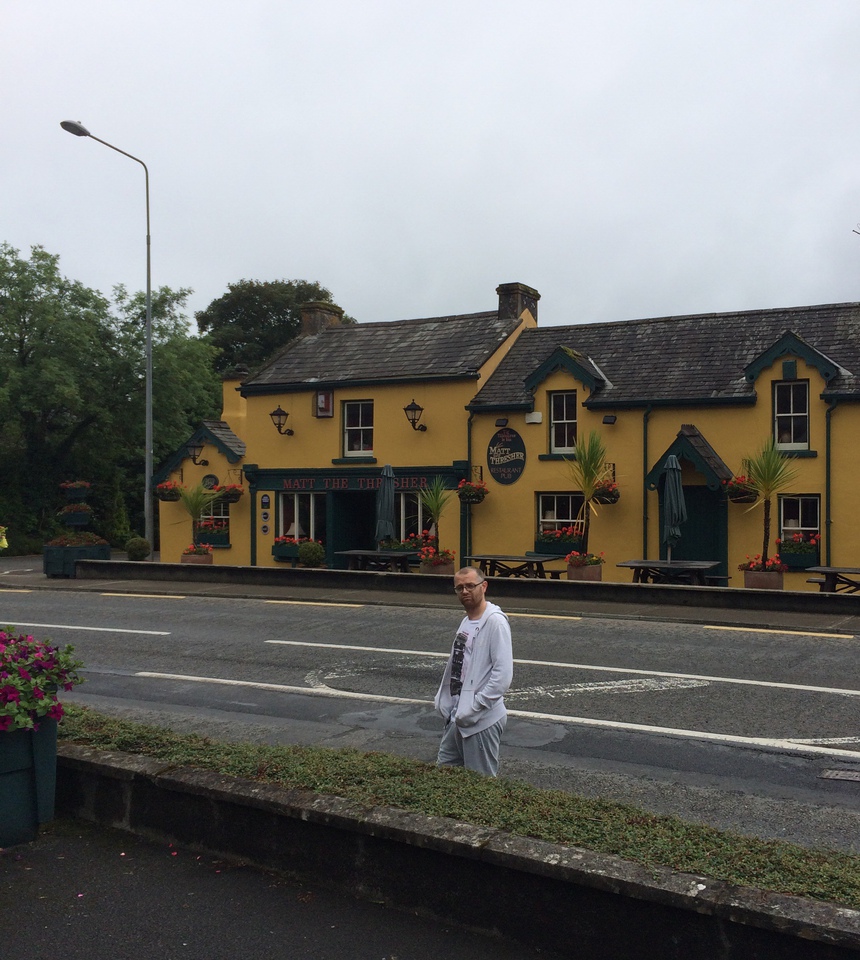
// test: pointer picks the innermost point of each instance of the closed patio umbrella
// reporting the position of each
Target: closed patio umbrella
(674, 506)
(385, 512)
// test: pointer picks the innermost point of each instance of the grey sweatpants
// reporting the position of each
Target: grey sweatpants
(479, 752)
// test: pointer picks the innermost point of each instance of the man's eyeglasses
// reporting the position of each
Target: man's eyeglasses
(468, 586)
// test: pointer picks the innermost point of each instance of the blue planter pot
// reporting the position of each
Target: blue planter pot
(60, 561)
(28, 779)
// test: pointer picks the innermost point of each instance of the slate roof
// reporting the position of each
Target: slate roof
(232, 446)
(437, 348)
(680, 360)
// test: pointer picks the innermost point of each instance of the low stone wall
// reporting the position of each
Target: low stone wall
(548, 896)
(539, 591)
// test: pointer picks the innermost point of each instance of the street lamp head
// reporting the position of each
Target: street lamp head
(78, 129)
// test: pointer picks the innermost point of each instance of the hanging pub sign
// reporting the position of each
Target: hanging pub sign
(506, 456)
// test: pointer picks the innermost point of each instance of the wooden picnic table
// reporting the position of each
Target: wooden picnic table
(836, 579)
(670, 571)
(397, 561)
(514, 565)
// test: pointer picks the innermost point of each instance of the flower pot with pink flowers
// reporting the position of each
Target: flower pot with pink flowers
(584, 566)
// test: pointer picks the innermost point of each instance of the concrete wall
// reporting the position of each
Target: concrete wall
(548, 896)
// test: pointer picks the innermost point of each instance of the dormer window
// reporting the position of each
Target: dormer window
(562, 407)
(791, 414)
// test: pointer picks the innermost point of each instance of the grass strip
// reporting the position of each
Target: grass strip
(604, 826)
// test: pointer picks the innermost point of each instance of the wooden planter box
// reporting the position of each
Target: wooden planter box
(763, 579)
(196, 558)
(439, 569)
(592, 572)
(60, 561)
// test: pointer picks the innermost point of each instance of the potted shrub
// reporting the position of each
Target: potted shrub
(799, 551)
(440, 562)
(76, 490)
(169, 490)
(197, 553)
(763, 573)
(311, 553)
(76, 514)
(472, 491)
(60, 555)
(32, 672)
(138, 549)
(584, 566)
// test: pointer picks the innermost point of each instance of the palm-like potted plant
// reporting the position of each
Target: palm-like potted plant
(197, 502)
(434, 499)
(768, 472)
(593, 476)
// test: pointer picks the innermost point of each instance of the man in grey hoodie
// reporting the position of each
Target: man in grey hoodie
(471, 696)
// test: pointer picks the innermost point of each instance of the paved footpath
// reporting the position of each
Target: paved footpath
(83, 892)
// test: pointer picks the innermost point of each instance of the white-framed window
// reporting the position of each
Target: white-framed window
(216, 519)
(357, 428)
(413, 519)
(791, 414)
(562, 425)
(799, 514)
(557, 510)
(303, 515)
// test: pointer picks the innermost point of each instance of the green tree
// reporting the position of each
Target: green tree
(72, 390)
(256, 318)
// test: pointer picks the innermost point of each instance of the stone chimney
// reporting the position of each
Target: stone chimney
(317, 316)
(514, 298)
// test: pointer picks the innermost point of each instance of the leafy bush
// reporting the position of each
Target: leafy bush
(138, 548)
(311, 554)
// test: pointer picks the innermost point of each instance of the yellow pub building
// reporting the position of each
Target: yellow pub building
(493, 396)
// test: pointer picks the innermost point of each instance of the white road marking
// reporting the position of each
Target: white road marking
(68, 626)
(822, 740)
(790, 633)
(587, 666)
(148, 596)
(315, 603)
(656, 685)
(787, 745)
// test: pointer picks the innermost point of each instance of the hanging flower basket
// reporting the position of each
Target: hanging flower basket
(168, 490)
(739, 490)
(607, 492)
(230, 492)
(471, 491)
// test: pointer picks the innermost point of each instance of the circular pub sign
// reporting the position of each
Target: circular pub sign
(506, 456)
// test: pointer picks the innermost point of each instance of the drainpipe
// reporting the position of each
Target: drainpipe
(466, 508)
(827, 463)
(645, 418)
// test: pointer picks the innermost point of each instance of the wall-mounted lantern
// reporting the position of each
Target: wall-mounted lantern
(413, 415)
(194, 449)
(279, 418)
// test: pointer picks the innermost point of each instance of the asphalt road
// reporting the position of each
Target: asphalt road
(741, 728)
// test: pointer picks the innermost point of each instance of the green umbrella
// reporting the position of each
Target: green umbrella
(674, 506)
(386, 517)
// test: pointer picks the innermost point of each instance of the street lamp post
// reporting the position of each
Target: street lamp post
(81, 131)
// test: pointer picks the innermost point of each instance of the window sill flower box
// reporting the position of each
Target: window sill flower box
(219, 538)
(558, 548)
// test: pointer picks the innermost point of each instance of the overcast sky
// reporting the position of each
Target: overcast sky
(626, 158)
